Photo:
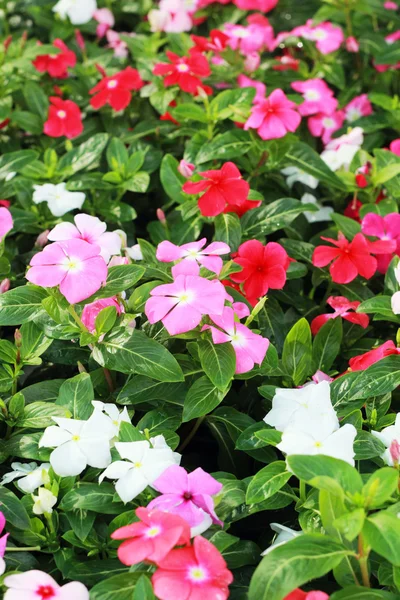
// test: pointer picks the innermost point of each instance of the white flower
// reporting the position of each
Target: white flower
(44, 502)
(294, 174)
(323, 214)
(158, 20)
(78, 11)
(284, 535)
(302, 408)
(134, 252)
(58, 198)
(390, 435)
(341, 151)
(396, 303)
(79, 443)
(318, 439)
(30, 476)
(113, 413)
(145, 465)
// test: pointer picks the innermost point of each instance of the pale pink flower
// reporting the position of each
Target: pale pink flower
(3, 543)
(261, 5)
(90, 311)
(359, 107)
(188, 495)
(393, 37)
(384, 228)
(390, 5)
(74, 265)
(6, 222)
(321, 376)
(395, 147)
(91, 230)
(323, 126)
(180, 305)
(328, 37)
(172, 16)
(250, 348)
(252, 62)
(260, 87)
(352, 45)
(274, 116)
(119, 46)
(37, 585)
(186, 169)
(105, 20)
(253, 38)
(42, 239)
(117, 261)
(5, 286)
(318, 97)
(192, 255)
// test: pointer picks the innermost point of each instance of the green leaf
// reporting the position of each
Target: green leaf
(133, 352)
(301, 155)
(117, 154)
(38, 415)
(119, 587)
(362, 593)
(382, 532)
(312, 468)
(349, 227)
(29, 123)
(267, 482)
(385, 159)
(297, 352)
(86, 155)
(188, 111)
(379, 379)
(296, 562)
(272, 217)
(225, 146)
(34, 343)
(21, 304)
(201, 399)
(138, 183)
(389, 56)
(350, 524)
(120, 279)
(367, 446)
(226, 103)
(77, 394)
(218, 362)
(326, 344)
(105, 320)
(92, 496)
(172, 181)
(36, 99)
(228, 230)
(378, 304)
(15, 161)
(13, 509)
(380, 486)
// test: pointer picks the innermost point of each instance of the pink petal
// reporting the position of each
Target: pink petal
(217, 248)
(63, 231)
(78, 286)
(134, 551)
(174, 480)
(158, 307)
(46, 276)
(170, 586)
(373, 225)
(181, 319)
(203, 483)
(167, 252)
(212, 263)
(185, 267)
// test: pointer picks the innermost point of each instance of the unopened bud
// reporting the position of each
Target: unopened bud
(352, 45)
(4, 286)
(101, 70)
(7, 42)
(81, 368)
(117, 261)
(395, 451)
(361, 181)
(42, 239)
(186, 169)
(123, 236)
(79, 40)
(161, 216)
(18, 338)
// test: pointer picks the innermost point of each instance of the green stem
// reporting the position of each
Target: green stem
(29, 549)
(303, 491)
(363, 561)
(76, 318)
(192, 433)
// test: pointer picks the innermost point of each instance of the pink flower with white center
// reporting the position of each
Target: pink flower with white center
(342, 308)
(359, 107)
(323, 125)
(36, 585)
(152, 538)
(395, 147)
(188, 495)
(105, 20)
(261, 5)
(250, 348)
(6, 222)
(90, 311)
(352, 45)
(274, 116)
(252, 62)
(260, 87)
(91, 230)
(186, 169)
(328, 37)
(3, 543)
(253, 38)
(393, 37)
(192, 255)
(384, 228)
(180, 305)
(74, 265)
(318, 97)
(119, 46)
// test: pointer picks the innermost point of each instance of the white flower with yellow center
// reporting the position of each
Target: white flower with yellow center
(78, 11)
(58, 198)
(30, 476)
(111, 410)
(44, 502)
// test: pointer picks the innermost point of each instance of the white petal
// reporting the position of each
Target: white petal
(297, 442)
(133, 451)
(53, 437)
(116, 470)
(72, 425)
(68, 460)
(340, 444)
(131, 485)
(97, 452)
(98, 425)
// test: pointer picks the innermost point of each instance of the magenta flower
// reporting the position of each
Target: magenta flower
(395, 147)
(323, 125)
(384, 228)
(188, 495)
(74, 265)
(318, 97)
(253, 38)
(260, 87)
(192, 255)
(90, 311)
(6, 222)
(250, 348)
(91, 230)
(3, 543)
(180, 305)
(328, 37)
(36, 585)
(359, 107)
(274, 116)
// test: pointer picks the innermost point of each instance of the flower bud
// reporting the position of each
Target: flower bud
(395, 451)
(161, 216)
(352, 45)
(80, 40)
(42, 239)
(186, 169)
(4, 286)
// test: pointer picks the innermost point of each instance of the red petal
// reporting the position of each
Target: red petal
(343, 270)
(317, 323)
(358, 319)
(323, 255)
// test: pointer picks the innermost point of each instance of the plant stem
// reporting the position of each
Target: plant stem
(29, 549)
(192, 433)
(108, 378)
(76, 318)
(363, 561)
(303, 491)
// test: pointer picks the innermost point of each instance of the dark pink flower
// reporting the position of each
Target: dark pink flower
(274, 116)
(384, 228)
(342, 308)
(318, 97)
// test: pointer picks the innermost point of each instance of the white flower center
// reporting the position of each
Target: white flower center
(328, 123)
(73, 264)
(61, 114)
(197, 574)
(112, 84)
(185, 297)
(311, 95)
(182, 68)
(153, 532)
(76, 438)
(353, 114)
(319, 34)
(241, 33)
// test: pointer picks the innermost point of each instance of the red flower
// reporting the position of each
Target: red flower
(363, 361)
(352, 210)
(361, 181)
(342, 307)
(286, 62)
(264, 267)
(223, 188)
(115, 90)
(3, 124)
(243, 207)
(184, 71)
(167, 115)
(64, 119)
(298, 594)
(5, 203)
(56, 65)
(351, 258)
(216, 42)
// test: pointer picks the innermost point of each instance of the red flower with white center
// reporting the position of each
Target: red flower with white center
(350, 259)
(224, 188)
(116, 90)
(56, 65)
(185, 71)
(264, 268)
(215, 43)
(64, 119)
(342, 307)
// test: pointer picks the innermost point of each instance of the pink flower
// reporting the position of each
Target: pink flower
(186, 169)
(188, 495)
(4, 287)
(342, 307)
(6, 222)
(323, 126)
(318, 97)
(117, 44)
(90, 311)
(253, 38)
(250, 348)
(352, 45)
(390, 5)
(328, 37)
(74, 265)
(261, 5)
(274, 116)
(359, 107)
(3, 543)
(192, 255)
(193, 573)
(180, 305)
(261, 88)
(105, 20)
(321, 376)
(395, 147)
(91, 230)
(384, 228)
(36, 585)
(42, 239)
(152, 538)
(252, 62)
